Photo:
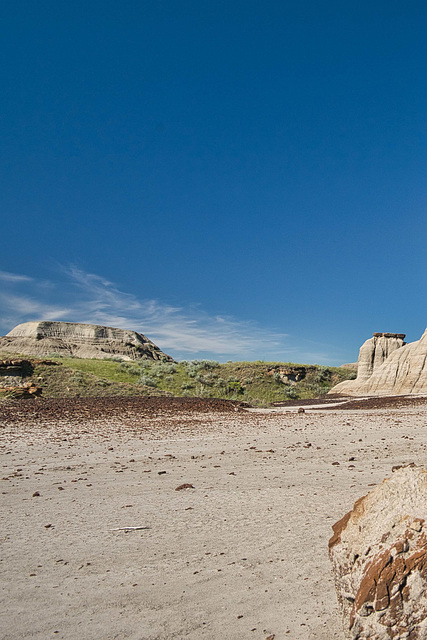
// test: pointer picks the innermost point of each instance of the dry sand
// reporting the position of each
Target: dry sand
(243, 555)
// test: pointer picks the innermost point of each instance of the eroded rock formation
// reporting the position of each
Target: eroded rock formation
(13, 372)
(289, 374)
(379, 558)
(374, 352)
(389, 366)
(81, 340)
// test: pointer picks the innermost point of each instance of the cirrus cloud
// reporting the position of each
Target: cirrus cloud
(75, 295)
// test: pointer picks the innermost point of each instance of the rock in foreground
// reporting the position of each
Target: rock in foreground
(379, 557)
(81, 340)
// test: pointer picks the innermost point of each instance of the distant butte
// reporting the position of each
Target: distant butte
(46, 338)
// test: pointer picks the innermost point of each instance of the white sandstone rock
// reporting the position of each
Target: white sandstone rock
(389, 366)
(379, 558)
(80, 340)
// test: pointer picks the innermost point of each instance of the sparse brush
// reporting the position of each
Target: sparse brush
(209, 364)
(291, 391)
(205, 378)
(147, 381)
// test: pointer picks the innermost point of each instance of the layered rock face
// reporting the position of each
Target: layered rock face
(13, 372)
(289, 374)
(80, 340)
(374, 352)
(389, 366)
(379, 558)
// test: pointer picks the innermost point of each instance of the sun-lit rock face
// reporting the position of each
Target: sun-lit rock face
(375, 351)
(389, 366)
(81, 340)
(379, 560)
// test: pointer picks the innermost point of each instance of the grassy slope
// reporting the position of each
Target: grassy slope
(248, 381)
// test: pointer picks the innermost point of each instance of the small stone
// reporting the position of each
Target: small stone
(187, 485)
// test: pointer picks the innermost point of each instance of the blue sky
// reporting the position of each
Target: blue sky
(237, 180)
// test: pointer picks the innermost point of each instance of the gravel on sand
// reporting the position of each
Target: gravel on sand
(98, 543)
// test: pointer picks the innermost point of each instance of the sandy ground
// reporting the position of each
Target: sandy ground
(242, 555)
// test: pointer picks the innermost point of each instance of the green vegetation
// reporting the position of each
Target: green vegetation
(258, 383)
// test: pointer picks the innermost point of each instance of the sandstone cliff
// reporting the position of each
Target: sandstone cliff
(80, 340)
(389, 368)
(375, 351)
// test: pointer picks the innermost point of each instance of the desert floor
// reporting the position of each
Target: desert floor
(242, 555)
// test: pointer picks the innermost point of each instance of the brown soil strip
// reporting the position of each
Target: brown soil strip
(94, 408)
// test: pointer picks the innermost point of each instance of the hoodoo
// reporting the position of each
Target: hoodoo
(81, 340)
(388, 366)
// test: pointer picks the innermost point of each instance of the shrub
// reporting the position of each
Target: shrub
(77, 378)
(147, 381)
(323, 374)
(234, 386)
(210, 379)
(130, 367)
(291, 391)
(317, 390)
(209, 364)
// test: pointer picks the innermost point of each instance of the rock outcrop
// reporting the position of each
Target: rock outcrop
(24, 392)
(379, 558)
(81, 340)
(289, 373)
(388, 366)
(374, 352)
(13, 372)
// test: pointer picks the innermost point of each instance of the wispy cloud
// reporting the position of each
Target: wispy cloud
(5, 276)
(185, 331)
(78, 296)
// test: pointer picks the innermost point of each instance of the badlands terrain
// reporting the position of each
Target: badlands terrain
(159, 518)
(151, 516)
